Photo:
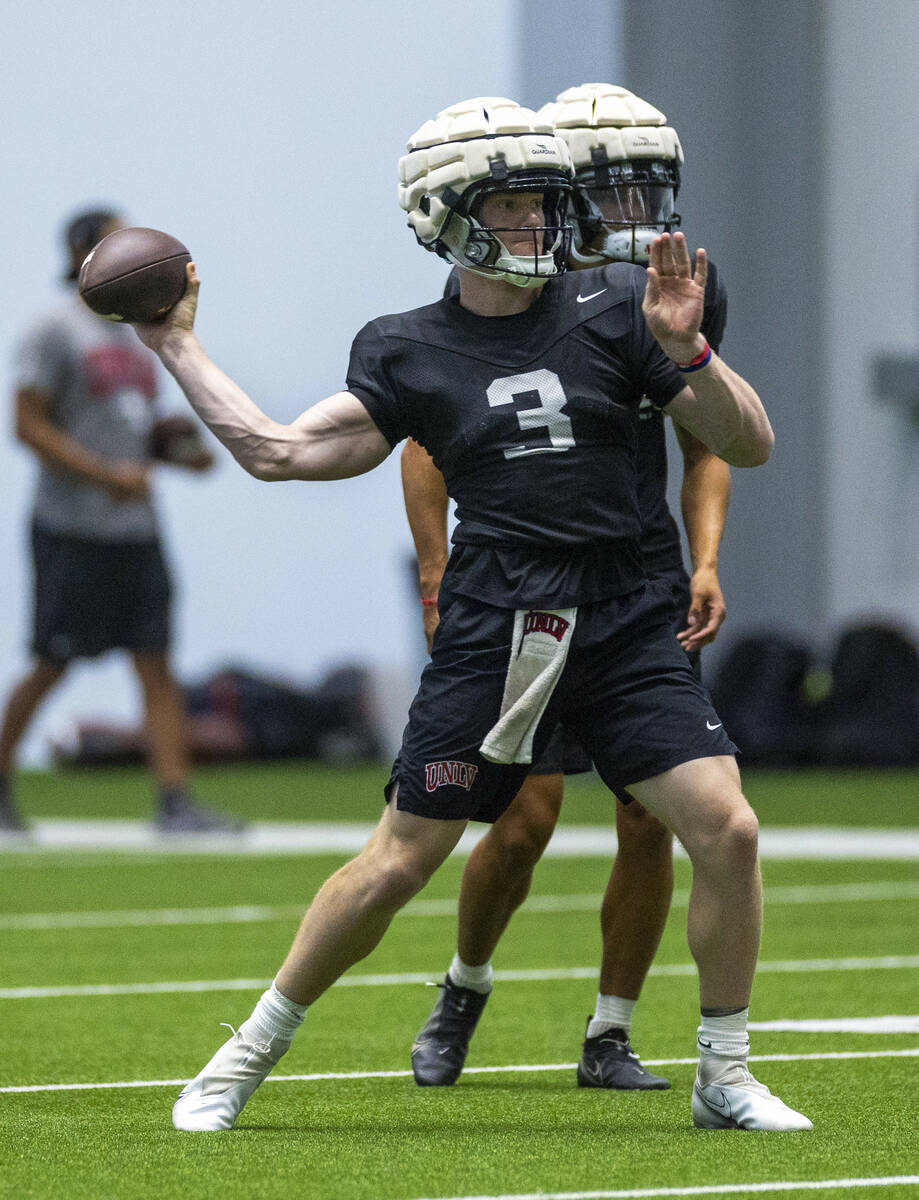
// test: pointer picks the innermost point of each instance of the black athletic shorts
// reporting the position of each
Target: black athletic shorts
(564, 755)
(627, 694)
(93, 596)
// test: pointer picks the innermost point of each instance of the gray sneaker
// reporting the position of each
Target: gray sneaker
(182, 815)
(439, 1051)
(608, 1061)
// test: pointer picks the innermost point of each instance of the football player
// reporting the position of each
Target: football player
(525, 397)
(87, 407)
(626, 177)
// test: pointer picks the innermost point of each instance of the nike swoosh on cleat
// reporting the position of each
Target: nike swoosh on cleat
(709, 725)
(592, 296)
(723, 1107)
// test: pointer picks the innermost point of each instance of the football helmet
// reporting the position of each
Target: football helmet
(626, 163)
(475, 149)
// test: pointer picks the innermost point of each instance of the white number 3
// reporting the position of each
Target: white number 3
(545, 427)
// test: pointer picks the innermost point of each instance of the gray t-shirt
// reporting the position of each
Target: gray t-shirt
(103, 389)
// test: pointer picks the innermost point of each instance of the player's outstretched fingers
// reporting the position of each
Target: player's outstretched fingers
(668, 262)
(654, 255)
(701, 275)
(681, 260)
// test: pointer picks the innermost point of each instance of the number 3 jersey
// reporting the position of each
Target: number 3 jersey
(532, 419)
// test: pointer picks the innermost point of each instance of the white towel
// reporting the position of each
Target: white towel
(538, 654)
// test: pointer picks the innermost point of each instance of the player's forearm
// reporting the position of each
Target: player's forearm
(426, 506)
(260, 445)
(431, 567)
(705, 497)
(335, 439)
(726, 415)
(58, 450)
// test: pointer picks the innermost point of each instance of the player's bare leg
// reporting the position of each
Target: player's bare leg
(164, 716)
(636, 901)
(495, 883)
(167, 751)
(351, 912)
(632, 919)
(499, 872)
(20, 708)
(701, 802)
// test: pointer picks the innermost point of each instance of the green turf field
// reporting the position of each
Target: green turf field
(118, 969)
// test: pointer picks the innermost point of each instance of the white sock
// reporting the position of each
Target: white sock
(612, 1012)
(274, 1018)
(479, 979)
(723, 1041)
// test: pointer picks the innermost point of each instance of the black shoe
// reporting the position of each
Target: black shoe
(439, 1050)
(10, 819)
(608, 1061)
(181, 815)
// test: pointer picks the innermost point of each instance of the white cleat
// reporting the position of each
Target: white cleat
(735, 1100)
(218, 1093)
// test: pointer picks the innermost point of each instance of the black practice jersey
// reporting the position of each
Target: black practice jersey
(660, 537)
(532, 419)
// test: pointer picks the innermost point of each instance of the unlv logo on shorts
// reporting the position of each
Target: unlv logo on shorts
(457, 774)
(543, 622)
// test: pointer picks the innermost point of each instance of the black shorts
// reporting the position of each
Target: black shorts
(564, 755)
(93, 596)
(627, 694)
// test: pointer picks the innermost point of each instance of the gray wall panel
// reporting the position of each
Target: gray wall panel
(743, 89)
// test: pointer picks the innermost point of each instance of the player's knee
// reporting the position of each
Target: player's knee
(733, 836)
(520, 842)
(743, 834)
(394, 880)
(724, 831)
(525, 829)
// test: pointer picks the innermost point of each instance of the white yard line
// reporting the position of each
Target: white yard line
(315, 837)
(713, 1189)
(840, 1025)
(515, 1069)
(538, 974)
(242, 914)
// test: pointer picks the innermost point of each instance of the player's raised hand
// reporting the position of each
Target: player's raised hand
(674, 297)
(179, 320)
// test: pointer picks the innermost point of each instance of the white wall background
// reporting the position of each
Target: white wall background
(266, 137)
(872, 276)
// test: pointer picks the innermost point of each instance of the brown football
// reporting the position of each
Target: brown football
(134, 275)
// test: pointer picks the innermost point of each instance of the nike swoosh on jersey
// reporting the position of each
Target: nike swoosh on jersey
(592, 296)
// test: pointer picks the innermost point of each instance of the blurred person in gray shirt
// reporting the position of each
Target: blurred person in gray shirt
(87, 406)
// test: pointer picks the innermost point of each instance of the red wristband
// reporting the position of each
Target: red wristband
(428, 601)
(701, 360)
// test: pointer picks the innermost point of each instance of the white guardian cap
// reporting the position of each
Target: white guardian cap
(626, 163)
(473, 149)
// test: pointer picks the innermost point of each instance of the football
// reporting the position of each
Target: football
(134, 275)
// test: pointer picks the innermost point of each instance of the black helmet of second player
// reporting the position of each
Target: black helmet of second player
(475, 148)
(626, 163)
